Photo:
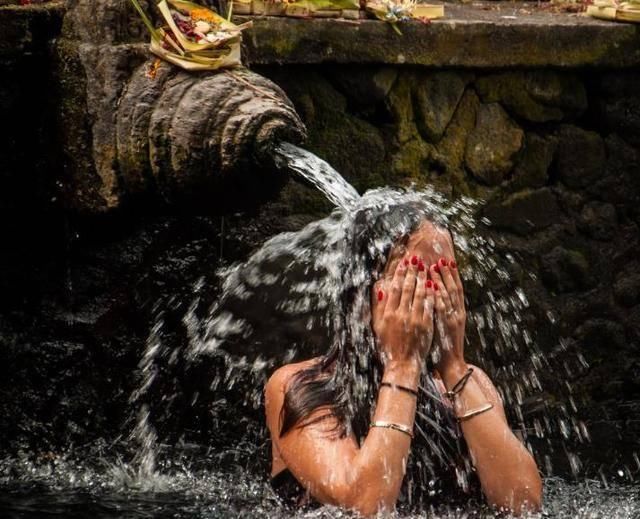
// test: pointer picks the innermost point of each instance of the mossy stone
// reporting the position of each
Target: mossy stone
(580, 157)
(492, 144)
(532, 170)
(525, 212)
(411, 160)
(399, 105)
(449, 152)
(565, 270)
(436, 97)
(538, 96)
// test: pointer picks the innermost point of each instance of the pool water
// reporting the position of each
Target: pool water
(193, 483)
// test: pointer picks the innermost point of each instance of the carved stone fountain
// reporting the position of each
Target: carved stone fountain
(133, 126)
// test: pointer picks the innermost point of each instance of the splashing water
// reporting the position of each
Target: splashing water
(293, 298)
(287, 302)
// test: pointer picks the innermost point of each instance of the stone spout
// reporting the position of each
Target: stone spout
(180, 132)
(134, 127)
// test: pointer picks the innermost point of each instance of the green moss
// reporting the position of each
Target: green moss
(538, 96)
(399, 105)
(411, 160)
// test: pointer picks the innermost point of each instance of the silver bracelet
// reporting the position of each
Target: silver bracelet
(475, 412)
(395, 426)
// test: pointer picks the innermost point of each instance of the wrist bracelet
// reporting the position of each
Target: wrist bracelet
(459, 386)
(395, 426)
(474, 412)
(399, 387)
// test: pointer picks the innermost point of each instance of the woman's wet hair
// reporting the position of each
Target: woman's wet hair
(344, 382)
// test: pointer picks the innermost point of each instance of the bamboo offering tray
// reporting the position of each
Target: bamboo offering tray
(619, 12)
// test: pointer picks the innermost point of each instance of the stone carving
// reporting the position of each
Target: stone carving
(131, 126)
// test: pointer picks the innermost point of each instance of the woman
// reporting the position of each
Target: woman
(417, 314)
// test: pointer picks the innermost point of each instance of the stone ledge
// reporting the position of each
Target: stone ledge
(497, 34)
(28, 29)
(478, 35)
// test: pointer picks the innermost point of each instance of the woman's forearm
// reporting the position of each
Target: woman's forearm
(380, 464)
(507, 471)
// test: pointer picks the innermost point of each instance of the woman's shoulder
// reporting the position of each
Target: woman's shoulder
(275, 389)
(281, 376)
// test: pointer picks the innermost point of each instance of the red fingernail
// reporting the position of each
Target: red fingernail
(420, 266)
(414, 260)
(429, 283)
(380, 295)
(435, 286)
(443, 262)
(406, 262)
(435, 268)
(453, 265)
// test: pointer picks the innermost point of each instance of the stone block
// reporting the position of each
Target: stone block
(626, 288)
(601, 334)
(411, 159)
(492, 144)
(580, 157)
(621, 182)
(364, 86)
(525, 212)
(450, 150)
(532, 170)
(598, 220)
(436, 98)
(618, 104)
(399, 105)
(538, 96)
(565, 270)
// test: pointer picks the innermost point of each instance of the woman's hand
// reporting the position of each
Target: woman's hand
(450, 312)
(403, 314)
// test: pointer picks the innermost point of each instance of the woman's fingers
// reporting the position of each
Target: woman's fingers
(409, 286)
(439, 286)
(429, 302)
(447, 278)
(417, 306)
(441, 318)
(455, 272)
(397, 284)
(379, 298)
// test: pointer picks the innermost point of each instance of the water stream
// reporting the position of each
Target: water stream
(287, 301)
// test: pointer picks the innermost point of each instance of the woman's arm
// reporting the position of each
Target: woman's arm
(336, 470)
(507, 471)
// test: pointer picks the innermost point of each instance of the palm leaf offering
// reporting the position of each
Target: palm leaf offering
(195, 37)
(395, 11)
(617, 11)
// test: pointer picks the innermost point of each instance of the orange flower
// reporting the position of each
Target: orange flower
(203, 14)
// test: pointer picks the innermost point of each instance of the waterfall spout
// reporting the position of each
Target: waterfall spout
(317, 172)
